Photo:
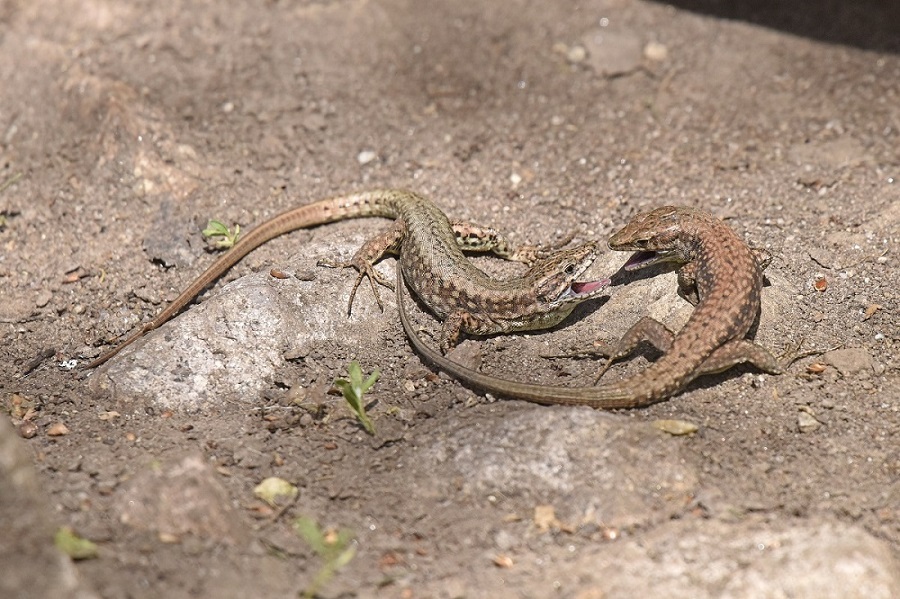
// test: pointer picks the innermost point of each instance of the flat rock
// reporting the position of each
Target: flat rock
(850, 360)
(613, 53)
(182, 497)
(832, 154)
(701, 559)
(541, 455)
(708, 559)
(225, 348)
(32, 565)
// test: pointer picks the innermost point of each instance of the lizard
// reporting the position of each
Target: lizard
(430, 249)
(717, 272)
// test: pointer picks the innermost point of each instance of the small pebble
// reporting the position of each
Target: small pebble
(576, 54)
(807, 422)
(43, 298)
(28, 429)
(656, 51)
(366, 156)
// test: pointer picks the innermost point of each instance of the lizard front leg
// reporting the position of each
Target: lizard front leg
(687, 283)
(454, 324)
(471, 237)
(452, 328)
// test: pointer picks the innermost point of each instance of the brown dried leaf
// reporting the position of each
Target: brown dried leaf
(57, 430)
(816, 368)
(676, 427)
(871, 310)
(545, 517)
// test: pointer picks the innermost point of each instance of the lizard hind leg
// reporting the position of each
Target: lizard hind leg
(387, 242)
(738, 351)
(646, 329)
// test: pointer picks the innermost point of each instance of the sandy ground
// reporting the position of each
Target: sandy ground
(125, 127)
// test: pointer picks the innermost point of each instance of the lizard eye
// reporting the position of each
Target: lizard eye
(570, 269)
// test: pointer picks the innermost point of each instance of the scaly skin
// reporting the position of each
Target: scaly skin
(718, 273)
(431, 258)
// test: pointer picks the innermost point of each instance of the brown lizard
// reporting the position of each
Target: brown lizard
(718, 273)
(430, 249)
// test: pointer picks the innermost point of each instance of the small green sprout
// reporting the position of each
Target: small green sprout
(225, 238)
(10, 181)
(353, 391)
(274, 489)
(335, 547)
(74, 546)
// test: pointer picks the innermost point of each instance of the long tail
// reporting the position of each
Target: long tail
(369, 203)
(607, 397)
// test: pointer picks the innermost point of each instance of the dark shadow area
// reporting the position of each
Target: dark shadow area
(625, 277)
(866, 24)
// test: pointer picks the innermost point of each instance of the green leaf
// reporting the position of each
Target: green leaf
(273, 488)
(353, 391)
(74, 546)
(308, 529)
(336, 549)
(215, 228)
(345, 557)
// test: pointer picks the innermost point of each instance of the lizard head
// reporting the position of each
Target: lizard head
(553, 289)
(556, 281)
(655, 236)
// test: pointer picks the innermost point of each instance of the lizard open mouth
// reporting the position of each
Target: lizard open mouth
(580, 288)
(644, 258)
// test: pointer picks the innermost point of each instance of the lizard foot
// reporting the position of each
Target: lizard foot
(366, 270)
(792, 353)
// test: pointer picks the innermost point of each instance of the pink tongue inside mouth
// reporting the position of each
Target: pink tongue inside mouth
(639, 258)
(589, 286)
